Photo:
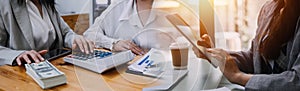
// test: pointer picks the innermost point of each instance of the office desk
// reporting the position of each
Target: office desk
(201, 76)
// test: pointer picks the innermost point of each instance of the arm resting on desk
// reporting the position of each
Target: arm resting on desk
(286, 81)
(8, 55)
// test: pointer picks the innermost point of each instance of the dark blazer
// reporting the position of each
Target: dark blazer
(16, 35)
(267, 77)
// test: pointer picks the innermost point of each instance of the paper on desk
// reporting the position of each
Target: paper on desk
(149, 59)
(149, 64)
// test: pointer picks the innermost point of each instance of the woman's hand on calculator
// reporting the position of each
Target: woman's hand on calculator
(127, 45)
(85, 45)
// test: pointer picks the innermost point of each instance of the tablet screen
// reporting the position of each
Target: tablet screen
(56, 53)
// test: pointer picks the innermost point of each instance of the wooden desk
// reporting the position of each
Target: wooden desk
(15, 78)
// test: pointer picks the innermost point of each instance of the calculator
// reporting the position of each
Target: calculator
(100, 60)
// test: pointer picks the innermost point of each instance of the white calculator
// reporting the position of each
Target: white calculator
(100, 60)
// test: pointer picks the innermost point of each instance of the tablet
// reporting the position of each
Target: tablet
(56, 53)
(186, 31)
(190, 35)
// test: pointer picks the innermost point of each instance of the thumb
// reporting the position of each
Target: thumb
(74, 46)
(206, 37)
(203, 43)
(43, 52)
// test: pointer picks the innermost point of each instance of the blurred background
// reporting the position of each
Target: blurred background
(232, 23)
(238, 18)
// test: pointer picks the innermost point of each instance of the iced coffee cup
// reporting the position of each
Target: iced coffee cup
(179, 53)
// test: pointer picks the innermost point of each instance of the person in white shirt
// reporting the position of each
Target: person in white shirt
(123, 20)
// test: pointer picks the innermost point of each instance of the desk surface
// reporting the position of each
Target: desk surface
(201, 76)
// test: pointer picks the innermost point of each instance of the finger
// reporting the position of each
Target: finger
(203, 43)
(137, 48)
(73, 46)
(75, 49)
(203, 56)
(85, 45)
(79, 44)
(132, 44)
(43, 52)
(91, 45)
(205, 37)
(130, 47)
(199, 54)
(18, 61)
(220, 52)
(38, 54)
(134, 50)
(140, 50)
(33, 56)
(214, 51)
(25, 58)
(218, 57)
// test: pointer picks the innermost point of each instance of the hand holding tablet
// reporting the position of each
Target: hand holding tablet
(190, 35)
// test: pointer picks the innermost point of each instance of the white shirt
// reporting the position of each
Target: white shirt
(42, 27)
(120, 21)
